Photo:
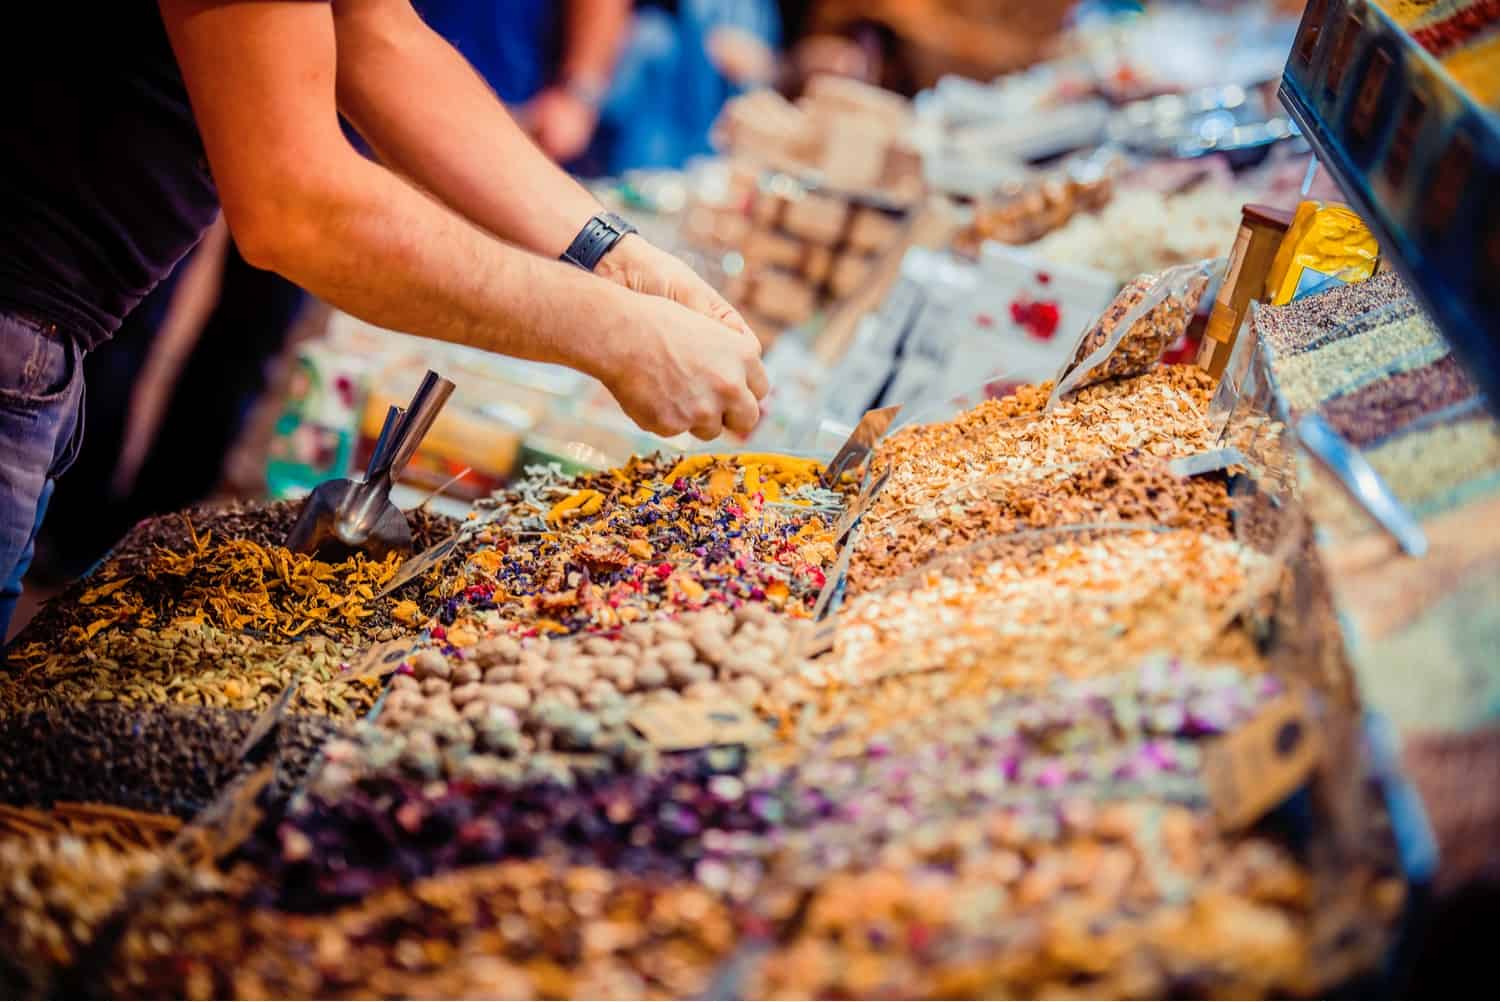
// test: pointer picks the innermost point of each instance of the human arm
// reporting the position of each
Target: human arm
(300, 201)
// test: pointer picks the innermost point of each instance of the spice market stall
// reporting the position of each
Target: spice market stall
(1010, 707)
(1049, 687)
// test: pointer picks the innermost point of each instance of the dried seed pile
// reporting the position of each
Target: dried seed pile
(192, 665)
(1159, 414)
(166, 760)
(1128, 488)
(513, 930)
(1013, 613)
(1384, 408)
(56, 892)
(504, 698)
(1312, 321)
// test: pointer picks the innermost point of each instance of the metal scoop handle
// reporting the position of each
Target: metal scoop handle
(399, 439)
(381, 452)
(423, 410)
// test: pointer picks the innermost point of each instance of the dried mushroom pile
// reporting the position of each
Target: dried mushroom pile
(604, 751)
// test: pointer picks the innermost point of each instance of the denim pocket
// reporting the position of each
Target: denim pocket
(37, 364)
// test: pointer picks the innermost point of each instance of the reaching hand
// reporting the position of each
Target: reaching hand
(641, 267)
(674, 370)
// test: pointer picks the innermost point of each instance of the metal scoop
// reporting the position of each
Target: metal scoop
(342, 517)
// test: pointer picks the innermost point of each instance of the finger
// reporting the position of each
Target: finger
(743, 413)
(730, 317)
(756, 378)
(700, 297)
(708, 430)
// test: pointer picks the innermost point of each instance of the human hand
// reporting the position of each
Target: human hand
(642, 267)
(561, 122)
(675, 370)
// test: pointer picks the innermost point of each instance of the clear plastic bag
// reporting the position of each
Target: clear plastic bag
(1147, 316)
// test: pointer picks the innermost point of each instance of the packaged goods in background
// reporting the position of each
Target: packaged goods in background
(1325, 244)
(314, 435)
(1146, 231)
(1148, 316)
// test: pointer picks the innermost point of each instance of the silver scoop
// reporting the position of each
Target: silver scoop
(342, 517)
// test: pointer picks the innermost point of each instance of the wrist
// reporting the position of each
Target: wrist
(598, 338)
(621, 261)
(598, 238)
(585, 88)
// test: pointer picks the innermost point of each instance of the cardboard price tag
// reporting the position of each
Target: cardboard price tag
(688, 724)
(418, 565)
(382, 659)
(1260, 764)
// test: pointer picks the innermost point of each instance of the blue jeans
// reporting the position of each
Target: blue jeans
(41, 399)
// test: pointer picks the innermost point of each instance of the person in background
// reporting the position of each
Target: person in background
(551, 62)
(682, 61)
(169, 112)
(910, 44)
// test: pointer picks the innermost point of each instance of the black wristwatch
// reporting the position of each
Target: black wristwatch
(595, 239)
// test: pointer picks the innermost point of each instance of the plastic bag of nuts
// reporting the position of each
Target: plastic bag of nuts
(1147, 316)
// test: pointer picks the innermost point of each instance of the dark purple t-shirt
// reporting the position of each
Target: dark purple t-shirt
(103, 181)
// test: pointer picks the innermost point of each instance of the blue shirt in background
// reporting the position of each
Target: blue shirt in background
(514, 44)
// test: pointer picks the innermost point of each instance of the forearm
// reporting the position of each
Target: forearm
(431, 117)
(373, 246)
(592, 38)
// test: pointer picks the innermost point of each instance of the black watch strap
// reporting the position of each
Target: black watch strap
(595, 239)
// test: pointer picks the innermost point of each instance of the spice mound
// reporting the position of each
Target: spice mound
(1158, 414)
(501, 699)
(512, 930)
(655, 536)
(226, 568)
(238, 584)
(57, 892)
(1129, 488)
(169, 760)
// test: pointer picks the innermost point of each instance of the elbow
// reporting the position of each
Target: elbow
(274, 226)
(257, 244)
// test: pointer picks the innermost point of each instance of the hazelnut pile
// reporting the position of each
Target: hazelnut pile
(512, 698)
